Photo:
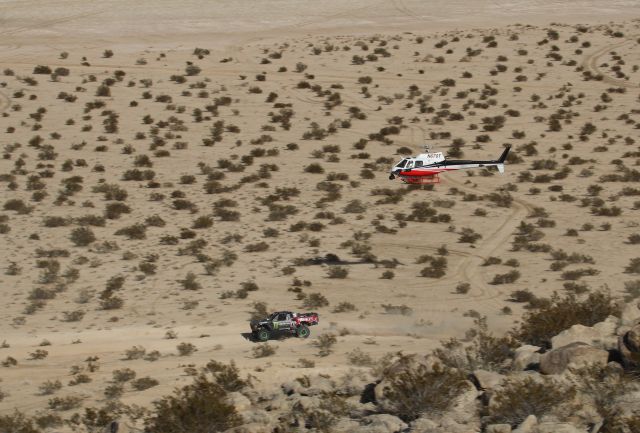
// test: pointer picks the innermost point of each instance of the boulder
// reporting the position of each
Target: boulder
(424, 425)
(240, 401)
(526, 356)
(384, 423)
(559, 427)
(600, 335)
(488, 380)
(630, 314)
(527, 425)
(498, 428)
(629, 347)
(464, 410)
(576, 354)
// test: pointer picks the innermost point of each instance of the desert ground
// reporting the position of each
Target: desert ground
(170, 169)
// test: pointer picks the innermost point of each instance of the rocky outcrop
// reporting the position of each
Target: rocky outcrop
(498, 428)
(383, 423)
(576, 354)
(601, 335)
(528, 425)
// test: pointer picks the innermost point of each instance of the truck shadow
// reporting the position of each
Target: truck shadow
(277, 336)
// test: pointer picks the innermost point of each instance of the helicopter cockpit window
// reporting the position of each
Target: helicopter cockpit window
(402, 163)
(409, 164)
(418, 163)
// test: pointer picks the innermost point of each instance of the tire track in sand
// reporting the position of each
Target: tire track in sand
(591, 63)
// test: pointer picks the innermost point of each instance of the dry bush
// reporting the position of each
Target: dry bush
(200, 407)
(560, 313)
(50, 387)
(339, 272)
(344, 307)
(17, 423)
(324, 343)
(82, 236)
(143, 383)
(416, 390)
(123, 375)
(359, 358)
(397, 309)
(186, 349)
(136, 352)
(65, 403)
(518, 398)
(484, 351)
(315, 300)
(263, 350)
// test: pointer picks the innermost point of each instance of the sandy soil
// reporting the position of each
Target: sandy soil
(254, 50)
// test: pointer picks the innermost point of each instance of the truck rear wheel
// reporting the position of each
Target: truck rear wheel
(263, 335)
(303, 331)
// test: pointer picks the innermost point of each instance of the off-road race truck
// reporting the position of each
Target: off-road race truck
(284, 322)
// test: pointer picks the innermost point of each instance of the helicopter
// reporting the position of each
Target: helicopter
(425, 168)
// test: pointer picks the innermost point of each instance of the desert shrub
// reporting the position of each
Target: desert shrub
(518, 398)
(123, 375)
(508, 278)
(344, 307)
(633, 267)
(17, 422)
(111, 302)
(79, 379)
(468, 235)
(38, 354)
(73, 316)
(135, 231)
(359, 358)
(56, 221)
(65, 403)
(339, 272)
(82, 236)
(18, 206)
(414, 390)
(324, 343)
(50, 387)
(135, 352)
(355, 206)
(190, 282)
(186, 349)
(541, 324)
(314, 168)
(484, 351)
(315, 300)
(114, 210)
(263, 350)
(397, 309)
(463, 288)
(200, 407)
(257, 247)
(143, 383)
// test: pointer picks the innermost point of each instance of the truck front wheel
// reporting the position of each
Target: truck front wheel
(303, 331)
(263, 335)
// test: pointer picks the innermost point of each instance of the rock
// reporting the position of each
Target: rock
(488, 380)
(384, 423)
(600, 335)
(527, 425)
(498, 428)
(558, 427)
(464, 410)
(526, 356)
(423, 425)
(240, 401)
(558, 360)
(630, 313)
(629, 347)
